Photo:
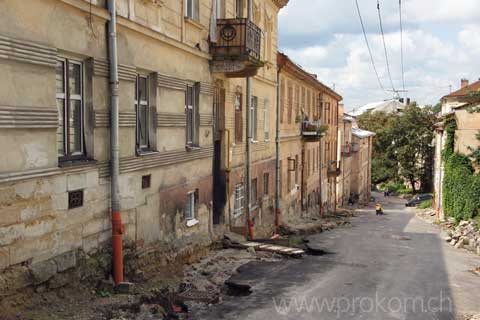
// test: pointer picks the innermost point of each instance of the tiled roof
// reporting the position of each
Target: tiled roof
(465, 91)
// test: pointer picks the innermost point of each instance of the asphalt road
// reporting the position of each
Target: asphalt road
(389, 267)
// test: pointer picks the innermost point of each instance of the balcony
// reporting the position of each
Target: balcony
(313, 130)
(237, 52)
(333, 170)
(346, 150)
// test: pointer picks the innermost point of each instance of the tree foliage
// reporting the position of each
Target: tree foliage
(403, 147)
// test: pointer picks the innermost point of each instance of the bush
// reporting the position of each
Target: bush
(395, 187)
(405, 191)
(425, 204)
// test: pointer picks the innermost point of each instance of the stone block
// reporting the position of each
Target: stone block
(92, 227)
(65, 261)
(9, 215)
(4, 258)
(25, 189)
(7, 195)
(59, 184)
(11, 233)
(60, 201)
(59, 280)
(43, 271)
(29, 249)
(76, 182)
(29, 213)
(92, 179)
(90, 244)
(38, 228)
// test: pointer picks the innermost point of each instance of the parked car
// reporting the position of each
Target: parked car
(415, 201)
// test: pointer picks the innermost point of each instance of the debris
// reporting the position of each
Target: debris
(274, 248)
(124, 288)
(475, 271)
(199, 296)
(399, 237)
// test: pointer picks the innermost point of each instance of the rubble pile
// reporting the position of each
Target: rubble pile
(464, 235)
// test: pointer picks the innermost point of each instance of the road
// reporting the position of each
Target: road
(389, 267)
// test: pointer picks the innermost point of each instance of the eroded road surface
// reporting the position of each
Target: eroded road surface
(394, 266)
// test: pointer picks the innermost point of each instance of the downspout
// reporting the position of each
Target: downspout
(117, 226)
(277, 157)
(249, 225)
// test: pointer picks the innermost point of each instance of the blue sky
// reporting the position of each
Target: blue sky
(441, 45)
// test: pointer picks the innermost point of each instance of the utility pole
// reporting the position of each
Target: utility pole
(249, 226)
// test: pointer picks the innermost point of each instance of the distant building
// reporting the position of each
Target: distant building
(388, 106)
(468, 125)
(361, 176)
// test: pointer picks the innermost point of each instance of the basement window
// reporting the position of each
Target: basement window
(190, 208)
(75, 199)
(146, 181)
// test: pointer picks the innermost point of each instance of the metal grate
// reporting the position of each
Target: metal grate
(146, 181)
(75, 199)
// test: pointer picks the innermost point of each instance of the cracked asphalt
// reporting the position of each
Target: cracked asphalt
(394, 266)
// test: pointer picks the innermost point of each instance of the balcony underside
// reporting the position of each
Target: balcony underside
(236, 66)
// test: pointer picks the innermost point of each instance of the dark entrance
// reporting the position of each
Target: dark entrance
(219, 184)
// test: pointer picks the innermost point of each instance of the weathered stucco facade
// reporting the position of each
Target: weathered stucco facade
(55, 203)
(308, 128)
(345, 152)
(467, 127)
(361, 174)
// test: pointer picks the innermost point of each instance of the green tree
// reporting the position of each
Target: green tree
(384, 164)
(412, 144)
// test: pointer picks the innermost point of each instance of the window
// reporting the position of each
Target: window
(266, 121)
(239, 199)
(296, 169)
(253, 118)
(69, 87)
(191, 9)
(282, 99)
(192, 115)
(254, 193)
(220, 9)
(238, 118)
(190, 206)
(239, 8)
(266, 181)
(142, 113)
(75, 199)
(290, 104)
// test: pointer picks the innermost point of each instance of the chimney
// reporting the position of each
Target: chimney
(464, 83)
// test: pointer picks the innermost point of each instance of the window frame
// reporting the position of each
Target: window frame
(190, 206)
(239, 8)
(266, 121)
(254, 119)
(67, 97)
(266, 184)
(192, 12)
(239, 199)
(238, 117)
(137, 104)
(254, 192)
(192, 133)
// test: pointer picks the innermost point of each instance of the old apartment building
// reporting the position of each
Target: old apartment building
(467, 127)
(245, 49)
(182, 69)
(308, 127)
(54, 173)
(361, 164)
(346, 153)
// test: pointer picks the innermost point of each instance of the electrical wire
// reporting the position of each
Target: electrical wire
(368, 46)
(385, 46)
(401, 43)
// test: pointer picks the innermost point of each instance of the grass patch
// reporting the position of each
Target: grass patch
(425, 204)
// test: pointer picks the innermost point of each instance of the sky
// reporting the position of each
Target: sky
(441, 45)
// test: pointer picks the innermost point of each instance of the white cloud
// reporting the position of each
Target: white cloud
(441, 45)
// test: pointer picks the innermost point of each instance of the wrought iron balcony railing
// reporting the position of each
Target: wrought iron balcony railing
(237, 50)
(313, 129)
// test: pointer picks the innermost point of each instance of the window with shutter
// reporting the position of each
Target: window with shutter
(142, 113)
(254, 118)
(192, 115)
(238, 118)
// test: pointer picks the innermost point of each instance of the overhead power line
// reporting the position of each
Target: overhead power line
(368, 46)
(384, 45)
(401, 42)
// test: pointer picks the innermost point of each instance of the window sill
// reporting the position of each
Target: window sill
(141, 153)
(254, 141)
(192, 222)
(194, 23)
(192, 147)
(76, 163)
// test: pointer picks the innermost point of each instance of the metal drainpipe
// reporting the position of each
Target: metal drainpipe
(249, 225)
(117, 226)
(277, 157)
